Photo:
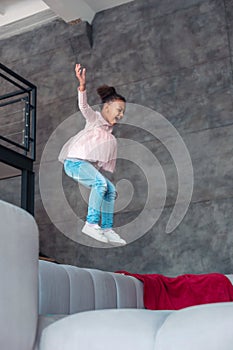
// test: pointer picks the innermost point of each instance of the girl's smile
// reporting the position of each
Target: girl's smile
(113, 111)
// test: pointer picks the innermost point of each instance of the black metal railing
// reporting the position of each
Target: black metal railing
(18, 130)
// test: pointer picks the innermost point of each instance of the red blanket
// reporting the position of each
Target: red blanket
(173, 293)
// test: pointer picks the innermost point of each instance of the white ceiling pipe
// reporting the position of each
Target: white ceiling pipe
(72, 9)
(2, 10)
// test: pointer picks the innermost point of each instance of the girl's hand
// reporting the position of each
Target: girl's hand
(81, 75)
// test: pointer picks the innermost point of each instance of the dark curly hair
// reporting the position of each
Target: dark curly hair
(108, 93)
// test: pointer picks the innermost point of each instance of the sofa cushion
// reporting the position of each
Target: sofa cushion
(43, 322)
(54, 289)
(128, 292)
(66, 289)
(123, 329)
(203, 327)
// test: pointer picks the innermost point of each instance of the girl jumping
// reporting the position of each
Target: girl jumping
(92, 149)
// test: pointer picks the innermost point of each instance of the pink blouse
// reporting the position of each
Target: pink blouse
(95, 142)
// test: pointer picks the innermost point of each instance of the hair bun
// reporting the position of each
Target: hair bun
(105, 91)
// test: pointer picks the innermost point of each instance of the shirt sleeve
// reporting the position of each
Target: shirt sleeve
(88, 113)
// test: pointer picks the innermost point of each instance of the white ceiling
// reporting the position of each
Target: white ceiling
(15, 10)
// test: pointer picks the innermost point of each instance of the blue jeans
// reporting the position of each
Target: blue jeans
(103, 192)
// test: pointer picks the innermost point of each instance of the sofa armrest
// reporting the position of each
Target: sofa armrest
(18, 272)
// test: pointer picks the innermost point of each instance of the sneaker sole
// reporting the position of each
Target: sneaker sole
(117, 243)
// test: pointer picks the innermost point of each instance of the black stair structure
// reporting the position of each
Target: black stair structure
(18, 131)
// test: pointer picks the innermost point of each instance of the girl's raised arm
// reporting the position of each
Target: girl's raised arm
(81, 76)
(88, 113)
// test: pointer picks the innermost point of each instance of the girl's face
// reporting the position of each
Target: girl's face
(113, 111)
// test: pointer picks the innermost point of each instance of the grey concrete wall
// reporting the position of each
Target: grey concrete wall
(175, 58)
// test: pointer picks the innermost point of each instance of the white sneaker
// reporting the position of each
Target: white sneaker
(95, 232)
(113, 237)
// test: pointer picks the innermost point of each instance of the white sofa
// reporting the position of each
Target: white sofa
(48, 306)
